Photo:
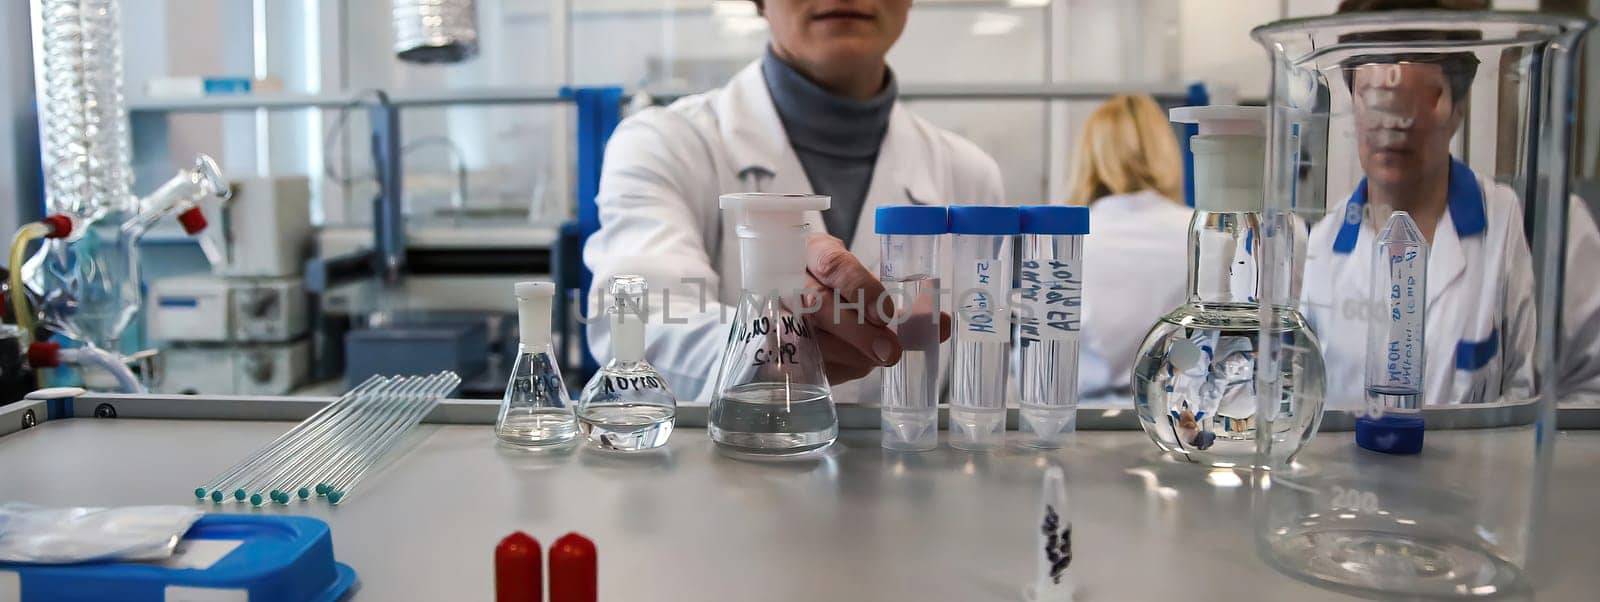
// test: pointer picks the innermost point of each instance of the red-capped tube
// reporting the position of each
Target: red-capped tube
(518, 569)
(60, 226)
(193, 220)
(44, 354)
(574, 570)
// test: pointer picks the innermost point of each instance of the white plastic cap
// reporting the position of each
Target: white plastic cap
(628, 299)
(531, 290)
(533, 312)
(768, 202)
(1224, 120)
(1229, 156)
(772, 231)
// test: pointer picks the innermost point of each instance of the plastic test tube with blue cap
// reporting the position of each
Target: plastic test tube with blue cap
(1395, 340)
(981, 283)
(909, 268)
(1049, 320)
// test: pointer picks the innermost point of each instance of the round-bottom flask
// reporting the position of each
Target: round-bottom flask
(1194, 384)
(627, 406)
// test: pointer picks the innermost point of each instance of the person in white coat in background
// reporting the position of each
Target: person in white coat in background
(817, 114)
(1128, 170)
(1481, 317)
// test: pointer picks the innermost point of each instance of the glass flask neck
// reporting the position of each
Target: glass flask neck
(525, 349)
(1223, 257)
(621, 365)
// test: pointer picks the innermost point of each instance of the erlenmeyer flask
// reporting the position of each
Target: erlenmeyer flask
(536, 411)
(772, 393)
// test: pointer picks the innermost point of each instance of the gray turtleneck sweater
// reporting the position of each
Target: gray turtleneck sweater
(836, 138)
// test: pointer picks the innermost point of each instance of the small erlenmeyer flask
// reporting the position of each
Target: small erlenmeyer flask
(536, 410)
(627, 406)
(772, 393)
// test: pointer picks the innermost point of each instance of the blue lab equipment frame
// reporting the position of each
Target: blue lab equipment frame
(599, 112)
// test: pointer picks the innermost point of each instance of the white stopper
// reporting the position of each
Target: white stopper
(772, 231)
(1229, 156)
(627, 337)
(629, 294)
(533, 313)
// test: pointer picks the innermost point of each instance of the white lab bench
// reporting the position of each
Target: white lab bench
(688, 523)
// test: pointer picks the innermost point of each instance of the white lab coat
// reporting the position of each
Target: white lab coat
(663, 173)
(1135, 271)
(1481, 315)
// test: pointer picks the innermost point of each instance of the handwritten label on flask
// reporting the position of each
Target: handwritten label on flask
(981, 317)
(1052, 301)
(614, 384)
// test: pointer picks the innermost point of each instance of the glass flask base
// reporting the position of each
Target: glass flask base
(1195, 392)
(627, 427)
(773, 445)
(538, 429)
(911, 430)
(1394, 564)
(1047, 427)
(974, 429)
(770, 419)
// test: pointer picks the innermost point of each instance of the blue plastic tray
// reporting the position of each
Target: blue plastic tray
(276, 558)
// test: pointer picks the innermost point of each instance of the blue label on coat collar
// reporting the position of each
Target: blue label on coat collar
(1472, 355)
(1465, 202)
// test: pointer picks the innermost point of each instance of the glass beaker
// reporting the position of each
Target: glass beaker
(1460, 120)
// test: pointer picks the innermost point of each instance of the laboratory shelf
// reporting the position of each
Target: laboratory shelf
(1073, 91)
(539, 95)
(282, 102)
(688, 523)
(239, 102)
(422, 234)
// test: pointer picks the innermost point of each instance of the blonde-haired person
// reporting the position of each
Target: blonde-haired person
(1128, 170)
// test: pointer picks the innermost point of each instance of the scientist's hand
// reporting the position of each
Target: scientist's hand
(851, 323)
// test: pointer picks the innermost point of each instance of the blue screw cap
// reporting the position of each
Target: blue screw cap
(911, 219)
(1390, 434)
(1055, 220)
(985, 219)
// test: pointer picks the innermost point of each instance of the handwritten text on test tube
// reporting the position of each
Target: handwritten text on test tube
(1052, 300)
(1404, 301)
(979, 316)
